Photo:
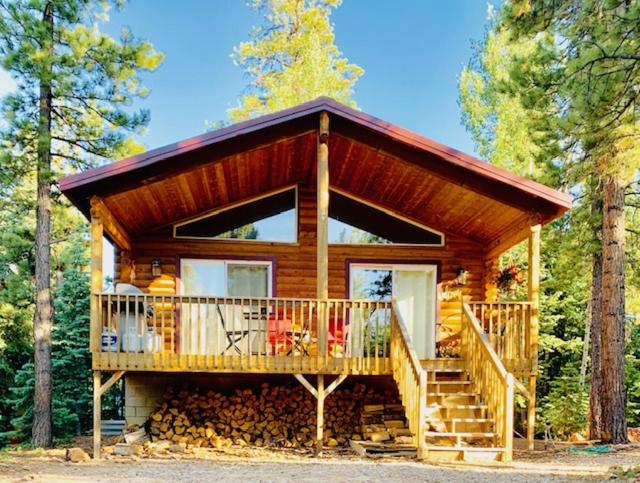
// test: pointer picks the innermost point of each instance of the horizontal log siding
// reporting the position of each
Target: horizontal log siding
(295, 264)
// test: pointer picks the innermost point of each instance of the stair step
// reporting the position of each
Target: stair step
(461, 420)
(459, 397)
(470, 454)
(436, 434)
(450, 386)
(457, 410)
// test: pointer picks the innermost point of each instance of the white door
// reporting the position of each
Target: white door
(415, 291)
(414, 287)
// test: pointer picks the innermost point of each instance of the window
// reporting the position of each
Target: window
(225, 278)
(272, 217)
(355, 221)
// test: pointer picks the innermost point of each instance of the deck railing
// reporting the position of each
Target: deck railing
(508, 326)
(183, 332)
(490, 377)
(410, 377)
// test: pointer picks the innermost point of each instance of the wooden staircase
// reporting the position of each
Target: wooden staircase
(459, 426)
(456, 409)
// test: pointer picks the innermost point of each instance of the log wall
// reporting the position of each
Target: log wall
(294, 264)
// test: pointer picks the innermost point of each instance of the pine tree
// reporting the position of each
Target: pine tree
(292, 59)
(69, 111)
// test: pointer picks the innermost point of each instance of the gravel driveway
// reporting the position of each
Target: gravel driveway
(264, 466)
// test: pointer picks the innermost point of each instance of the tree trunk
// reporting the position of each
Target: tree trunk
(613, 394)
(595, 404)
(41, 432)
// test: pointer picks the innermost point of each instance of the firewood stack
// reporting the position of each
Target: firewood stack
(278, 416)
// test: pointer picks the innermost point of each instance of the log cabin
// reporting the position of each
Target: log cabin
(320, 242)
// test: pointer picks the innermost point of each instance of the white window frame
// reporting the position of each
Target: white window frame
(226, 262)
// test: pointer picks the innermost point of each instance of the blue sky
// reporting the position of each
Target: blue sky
(412, 52)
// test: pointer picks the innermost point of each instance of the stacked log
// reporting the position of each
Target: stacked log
(275, 416)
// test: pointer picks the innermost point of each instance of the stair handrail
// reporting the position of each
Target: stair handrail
(490, 377)
(410, 377)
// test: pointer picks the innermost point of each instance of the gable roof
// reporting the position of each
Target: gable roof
(283, 145)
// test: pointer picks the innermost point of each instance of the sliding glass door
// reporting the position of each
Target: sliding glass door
(414, 288)
(211, 328)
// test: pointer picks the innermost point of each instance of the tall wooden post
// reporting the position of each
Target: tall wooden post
(97, 415)
(96, 275)
(95, 331)
(534, 297)
(322, 282)
(323, 209)
(320, 414)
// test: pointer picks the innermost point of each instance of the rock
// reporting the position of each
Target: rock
(379, 436)
(577, 438)
(135, 436)
(107, 450)
(77, 455)
(404, 440)
(332, 443)
(122, 449)
(177, 448)
(137, 449)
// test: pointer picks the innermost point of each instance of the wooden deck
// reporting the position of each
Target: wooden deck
(258, 335)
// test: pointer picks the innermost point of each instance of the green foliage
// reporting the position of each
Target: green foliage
(246, 232)
(564, 409)
(93, 78)
(71, 360)
(292, 58)
(542, 96)
(632, 378)
(505, 129)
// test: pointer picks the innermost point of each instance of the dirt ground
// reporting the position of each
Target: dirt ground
(268, 465)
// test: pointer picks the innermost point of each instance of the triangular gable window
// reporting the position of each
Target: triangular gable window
(357, 222)
(268, 218)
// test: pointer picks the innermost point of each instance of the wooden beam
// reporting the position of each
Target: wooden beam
(115, 377)
(96, 280)
(320, 414)
(510, 237)
(322, 249)
(112, 226)
(97, 415)
(339, 380)
(534, 298)
(522, 388)
(302, 380)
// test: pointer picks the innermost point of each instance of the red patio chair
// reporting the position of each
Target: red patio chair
(336, 337)
(279, 334)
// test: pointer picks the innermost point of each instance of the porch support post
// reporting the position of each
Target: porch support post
(98, 390)
(320, 413)
(97, 232)
(97, 415)
(320, 393)
(534, 298)
(322, 282)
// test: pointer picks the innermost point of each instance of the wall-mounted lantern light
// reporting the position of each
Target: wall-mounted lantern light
(461, 276)
(156, 267)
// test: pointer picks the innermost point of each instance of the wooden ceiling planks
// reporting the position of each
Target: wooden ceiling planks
(208, 186)
(399, 170)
